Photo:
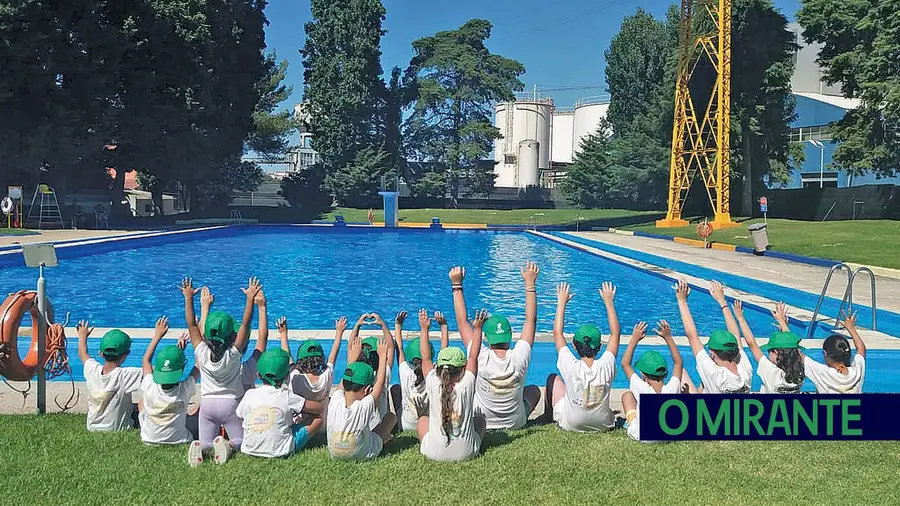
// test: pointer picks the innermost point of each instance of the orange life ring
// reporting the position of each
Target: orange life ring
(704, 229)
(11, 312)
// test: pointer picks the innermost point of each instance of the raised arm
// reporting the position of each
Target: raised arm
(84, 330)
(386, 333)
(608, 294)
(717, 290)
(563, 296)
(398, 333)
(664, 331)
(780, 315)
(475, 349)
(281, 325)
(425, 343)
(529, 275)
(457, 274)
(243, 335)
(682, 290)
(385, 345)
(354, 346)
(262, 338)
(340, 325)
(206, 301)
(639, 332)
(162, 326)
(187, 289)
(746, 333)
(445, 329)
(849, 323)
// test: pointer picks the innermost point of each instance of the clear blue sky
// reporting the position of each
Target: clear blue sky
(560, 42)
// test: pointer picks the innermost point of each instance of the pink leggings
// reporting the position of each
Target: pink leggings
(214, 413)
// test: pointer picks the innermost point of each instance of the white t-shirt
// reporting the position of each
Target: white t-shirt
(268, 416)
(222, 378)
(249, 370)
(719, 380)
(382, 406)
(585, 407)
(349, 436)
(164, 417)
(499, 386)
(640, 387)
(464, 441)
(772, 377)
(414, 398)
(317, 391)
(109, 403)
(829, 381)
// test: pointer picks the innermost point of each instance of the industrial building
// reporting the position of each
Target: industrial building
(538, 140)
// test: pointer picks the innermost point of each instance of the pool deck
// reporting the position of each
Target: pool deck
(65, 235)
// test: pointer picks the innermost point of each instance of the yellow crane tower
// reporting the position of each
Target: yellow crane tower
(700, 144)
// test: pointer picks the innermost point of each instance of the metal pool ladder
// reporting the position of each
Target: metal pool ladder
(237, 216)
(847, 300)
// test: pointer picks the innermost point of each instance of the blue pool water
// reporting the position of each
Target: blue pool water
(883, 375)
(316, 275)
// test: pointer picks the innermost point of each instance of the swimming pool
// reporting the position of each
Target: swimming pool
(882, 374)
(314, 275)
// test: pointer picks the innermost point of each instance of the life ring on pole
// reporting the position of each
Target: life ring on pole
(12, 366)
(704, 229)
(6, 205)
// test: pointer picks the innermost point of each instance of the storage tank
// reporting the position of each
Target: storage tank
(561, 136)
(527, 173)
(588, 113)
(522, 120)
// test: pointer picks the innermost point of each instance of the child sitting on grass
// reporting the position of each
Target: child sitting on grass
(452, 431)
(580, 400)
(840, 374)
(501, 393)
(217, 353)
(652, 379)
(725, 368)
(352, 408)
(370, 356)
(166, 395)
(110, 385)
(312, 375)
(248, 367)
(409, 397)
(780, 361)
(268, 411)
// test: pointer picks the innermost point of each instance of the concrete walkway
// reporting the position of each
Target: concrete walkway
(64, 235)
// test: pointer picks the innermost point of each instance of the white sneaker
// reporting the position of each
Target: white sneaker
(195, 454)
(221, 450)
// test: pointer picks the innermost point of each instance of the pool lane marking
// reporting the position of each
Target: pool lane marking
(877, 339)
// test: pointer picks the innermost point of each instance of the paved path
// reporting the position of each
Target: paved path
(63, 235)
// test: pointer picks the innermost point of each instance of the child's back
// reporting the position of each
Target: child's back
(109, 385)
(585, 407)
(314, 387)
(267, 413)
(164, 417)
(349, 434)
(719, 379)
(221, 378)
(499, 386)
(639, 387)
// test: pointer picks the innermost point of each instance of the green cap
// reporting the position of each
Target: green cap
(497, 330)
(413, 351)
(115, 343)
(722, 340)
(360, 373)
(783, 340)
(168, 365)
(220, 327)
(372, 343)
(588, 335)
(451, 356)
(652, 363)
(273, 365)
(310, 348)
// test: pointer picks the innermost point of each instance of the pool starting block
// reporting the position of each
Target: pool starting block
(436, 223)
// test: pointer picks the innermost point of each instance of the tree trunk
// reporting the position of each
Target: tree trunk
(747, 180)
(118, 212)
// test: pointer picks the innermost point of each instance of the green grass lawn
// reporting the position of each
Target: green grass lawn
(14, 231)
(873, 242)
(487, 216)
(53, 460)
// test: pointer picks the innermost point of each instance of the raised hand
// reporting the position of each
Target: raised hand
(206, 297)
(639, 332)
(354, 346)
(663, 330)
(363, 319)
(376, 319)
(384, 347)
(183, 340)
(260, 298)
(717, 290)
(281, 325)
(400, 318)
(424, 320)
(563, 296)
(162, 326)
(849, 322)
(780, 313)
(682, 290)
(340, 325)
(253, 288)
(440, 318)
(608, 292)
(530, 273)
(738, 309)
(481, 316)
(83, 329)
(457, 274)
(187, 287)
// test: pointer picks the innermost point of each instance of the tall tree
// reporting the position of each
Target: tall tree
(861, 51)
(457, 81)
(271, 130)
(342, 61)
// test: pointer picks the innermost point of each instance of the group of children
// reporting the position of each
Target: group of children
(450, 398)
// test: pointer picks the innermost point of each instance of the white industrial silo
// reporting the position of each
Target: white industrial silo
(588, 113)
(527, 173)
(522, 120)
(561, 145)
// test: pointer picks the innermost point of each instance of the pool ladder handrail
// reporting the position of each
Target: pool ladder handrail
(847, 300)
(237, 216)
(532, 222)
